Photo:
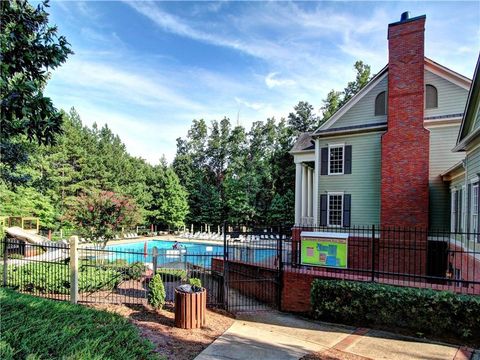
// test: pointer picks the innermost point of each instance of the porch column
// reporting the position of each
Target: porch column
(304, 192)
(310, 192)
(298, 193)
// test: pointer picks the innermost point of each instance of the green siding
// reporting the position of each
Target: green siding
(451, 97)
(364, 182)
(473, 164)
(363, 112)
(442, 141)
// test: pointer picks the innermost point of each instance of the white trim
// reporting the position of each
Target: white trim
(343, 158)
(452, 76)
(472, 200)
(442, 122)
(356, 98)
(334, 193)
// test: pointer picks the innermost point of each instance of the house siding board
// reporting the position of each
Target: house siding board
(442, 140)
(473, 164)
(451, 97)
(363, 184)
(363, 112)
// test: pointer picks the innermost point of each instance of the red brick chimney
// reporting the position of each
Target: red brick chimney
(405, 145)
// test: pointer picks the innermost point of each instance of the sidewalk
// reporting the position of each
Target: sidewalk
(279, 336)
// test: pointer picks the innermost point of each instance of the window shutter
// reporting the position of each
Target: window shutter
(324, 161)
(460, 207)
(323, 210)
(455, 202)
(348, 160)
(469, 206)
(347, 204)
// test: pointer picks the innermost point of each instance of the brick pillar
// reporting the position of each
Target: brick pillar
(405, 145)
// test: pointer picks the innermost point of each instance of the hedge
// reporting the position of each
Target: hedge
(54, 278)
(424, 311)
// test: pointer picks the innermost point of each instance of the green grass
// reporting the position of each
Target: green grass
(33, 328)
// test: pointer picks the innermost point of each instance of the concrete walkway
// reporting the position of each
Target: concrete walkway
(278, 336)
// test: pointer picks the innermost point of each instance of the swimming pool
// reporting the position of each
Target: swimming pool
(189, 252)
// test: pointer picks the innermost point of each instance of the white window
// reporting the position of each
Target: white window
(453, 208)
(474, 210)
(335, 209)
(335, 159)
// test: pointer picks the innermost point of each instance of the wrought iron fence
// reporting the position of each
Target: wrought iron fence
(442, 260)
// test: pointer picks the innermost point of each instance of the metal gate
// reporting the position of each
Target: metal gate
(253, 260)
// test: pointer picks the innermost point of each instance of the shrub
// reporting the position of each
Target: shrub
(54, 278)
(426, 311)
(156, 293)
(195, 282)
(172, 275)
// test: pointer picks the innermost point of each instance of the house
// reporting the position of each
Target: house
(463, 177)
(381, 158)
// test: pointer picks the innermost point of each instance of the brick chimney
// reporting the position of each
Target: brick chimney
(405, 145)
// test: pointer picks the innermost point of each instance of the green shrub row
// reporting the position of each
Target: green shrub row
(422, 311)
(54, 278)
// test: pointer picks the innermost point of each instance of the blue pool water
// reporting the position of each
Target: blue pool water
(193, 253)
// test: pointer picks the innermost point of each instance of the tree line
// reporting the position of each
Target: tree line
(50, 161)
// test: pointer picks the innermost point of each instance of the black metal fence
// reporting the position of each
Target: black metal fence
(247, 270)
(105, 275)
(412, 257)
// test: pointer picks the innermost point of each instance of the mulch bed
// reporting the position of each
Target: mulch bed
(171, 342)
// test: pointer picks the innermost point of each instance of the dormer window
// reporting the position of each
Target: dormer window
(381, 104)
(431, 97)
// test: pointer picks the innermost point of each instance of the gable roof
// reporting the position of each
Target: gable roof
(430, 65)
(304, 143)
(353, 100)
(468, 132)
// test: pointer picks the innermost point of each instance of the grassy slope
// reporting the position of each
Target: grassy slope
(46, 329)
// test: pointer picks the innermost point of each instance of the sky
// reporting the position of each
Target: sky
(147, 69)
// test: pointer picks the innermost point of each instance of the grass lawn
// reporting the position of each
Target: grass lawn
(44, 329)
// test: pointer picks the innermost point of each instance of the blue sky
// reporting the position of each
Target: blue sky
(148, 68)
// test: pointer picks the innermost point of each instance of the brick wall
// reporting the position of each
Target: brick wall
(405, 145)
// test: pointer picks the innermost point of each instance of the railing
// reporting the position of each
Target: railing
(440, 260)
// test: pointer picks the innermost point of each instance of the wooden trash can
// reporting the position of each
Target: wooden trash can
(190, 309)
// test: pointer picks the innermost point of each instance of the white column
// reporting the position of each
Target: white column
(298, 193)
(310, 192)
(315, 183)
(304, 191)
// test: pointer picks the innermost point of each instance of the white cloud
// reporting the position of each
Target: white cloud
(272, 81)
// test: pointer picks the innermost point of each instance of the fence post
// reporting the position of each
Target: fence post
(5, 260)
(155, 259)
(74, 269)
(280, 269)
(225, 266)
(373, 253)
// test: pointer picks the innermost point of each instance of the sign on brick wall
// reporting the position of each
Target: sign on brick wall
(324, 249)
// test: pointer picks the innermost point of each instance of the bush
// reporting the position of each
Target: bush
(156, 293)
(425, 311)
(54, 278)
(172, 275)
(195, 282)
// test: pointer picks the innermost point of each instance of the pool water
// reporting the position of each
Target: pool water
(162, 245)
(193, 253)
